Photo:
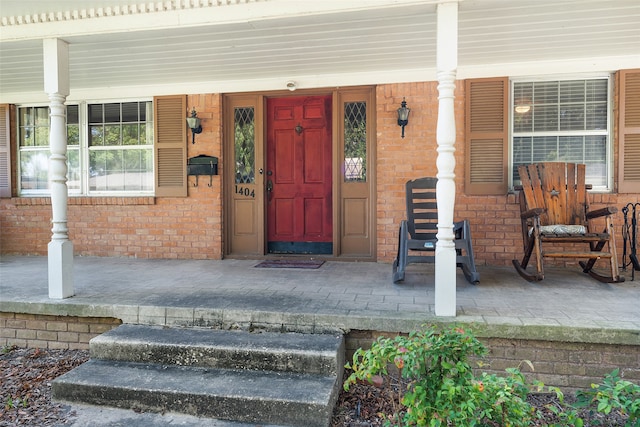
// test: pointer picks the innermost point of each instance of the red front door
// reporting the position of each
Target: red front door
(298, 179)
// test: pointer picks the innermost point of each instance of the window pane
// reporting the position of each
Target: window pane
(27, 136)
(572, 117)
(95, 113)
(545, 118)
(596, 116)
(34, 166)
(112, 113)
(121, 170)
(130, 112)
(41, 136)
(355, 141)
(72, 115)
(244, 145)
(595, 154)
(560, 124)
(73, 174)
(545, 93)
(96, 136)
(112, 135)
(73, 135)
(130, 134)
(571, 149)
(42, 116)
(545, 149)
(572, 92)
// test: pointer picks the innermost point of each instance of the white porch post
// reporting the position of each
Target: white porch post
(56, 85)
(447, 62)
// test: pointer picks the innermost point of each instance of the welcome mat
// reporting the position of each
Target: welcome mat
(289, 263)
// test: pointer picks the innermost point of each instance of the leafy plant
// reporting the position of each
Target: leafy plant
(6, 349)
(14, 403)
(441, 388)
(612, 394)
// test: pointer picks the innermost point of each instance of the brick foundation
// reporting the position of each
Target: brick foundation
(567, 365)
(58, 332)
(570, 366)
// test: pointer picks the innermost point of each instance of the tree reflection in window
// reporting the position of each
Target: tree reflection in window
(355, 141)
(244, 145)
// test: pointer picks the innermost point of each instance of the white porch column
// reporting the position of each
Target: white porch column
(56, 85)
(447, 62)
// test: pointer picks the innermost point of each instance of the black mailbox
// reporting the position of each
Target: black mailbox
(202, 165)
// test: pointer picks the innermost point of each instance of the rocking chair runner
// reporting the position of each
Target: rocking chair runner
(418, 232)
(554, 209)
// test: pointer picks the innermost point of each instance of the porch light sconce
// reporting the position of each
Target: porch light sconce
(194, 124)
(403, 115)
(291, 85)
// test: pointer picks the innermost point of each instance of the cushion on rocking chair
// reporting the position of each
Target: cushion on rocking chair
(563, 229)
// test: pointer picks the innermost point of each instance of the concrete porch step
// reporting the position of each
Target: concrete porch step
(287, 352)
(281, 398)
(266, 378)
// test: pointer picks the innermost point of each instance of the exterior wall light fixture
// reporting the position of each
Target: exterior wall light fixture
(194, 124)
(403, 115)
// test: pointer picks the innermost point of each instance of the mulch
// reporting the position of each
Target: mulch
(26, 376)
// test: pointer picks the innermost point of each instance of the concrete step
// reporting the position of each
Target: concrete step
(282, 398)
(287, 352)
(266, 378)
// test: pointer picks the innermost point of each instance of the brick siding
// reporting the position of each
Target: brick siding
(570, 366)
(58, 332)
(192, 227)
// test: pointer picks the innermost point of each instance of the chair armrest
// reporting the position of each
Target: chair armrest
(609, 210)
(532, 212)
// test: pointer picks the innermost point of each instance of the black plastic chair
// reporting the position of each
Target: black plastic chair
(418, 233)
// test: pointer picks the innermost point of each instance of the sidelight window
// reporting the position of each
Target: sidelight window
(355, 141)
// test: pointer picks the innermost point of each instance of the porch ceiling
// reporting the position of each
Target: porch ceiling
(237, 45)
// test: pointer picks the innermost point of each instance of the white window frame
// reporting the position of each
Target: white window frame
(609, 120)
(83, 123)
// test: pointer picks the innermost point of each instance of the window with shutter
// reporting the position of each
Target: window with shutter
(170, 146)
(5, 152)
(629, 128)
(486, 130)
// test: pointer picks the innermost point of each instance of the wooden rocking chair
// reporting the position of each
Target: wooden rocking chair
(418, 232)
(554, 209)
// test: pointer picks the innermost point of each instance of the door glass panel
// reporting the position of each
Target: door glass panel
(355, 141)
(244, 137)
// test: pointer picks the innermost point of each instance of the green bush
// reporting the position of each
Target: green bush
(613, 394)
(441, 387)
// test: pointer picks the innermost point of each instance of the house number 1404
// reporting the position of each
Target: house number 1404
(245, 191)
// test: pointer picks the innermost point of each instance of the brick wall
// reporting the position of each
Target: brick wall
(569, 366)
(495, 223)
(142, 227)
(59, 332)
(192, 227)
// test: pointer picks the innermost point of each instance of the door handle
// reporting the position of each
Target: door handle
(269, 190)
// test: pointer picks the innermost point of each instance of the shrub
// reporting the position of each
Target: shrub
(613, 394)
(441, 388)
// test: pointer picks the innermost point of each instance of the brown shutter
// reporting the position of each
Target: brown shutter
(170, 145)
(5, 152)
(629, 128)
(486, 130)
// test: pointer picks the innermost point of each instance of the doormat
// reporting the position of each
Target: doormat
(289, 263)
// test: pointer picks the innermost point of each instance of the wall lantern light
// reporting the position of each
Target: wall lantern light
(194, 124)
(403, 115)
